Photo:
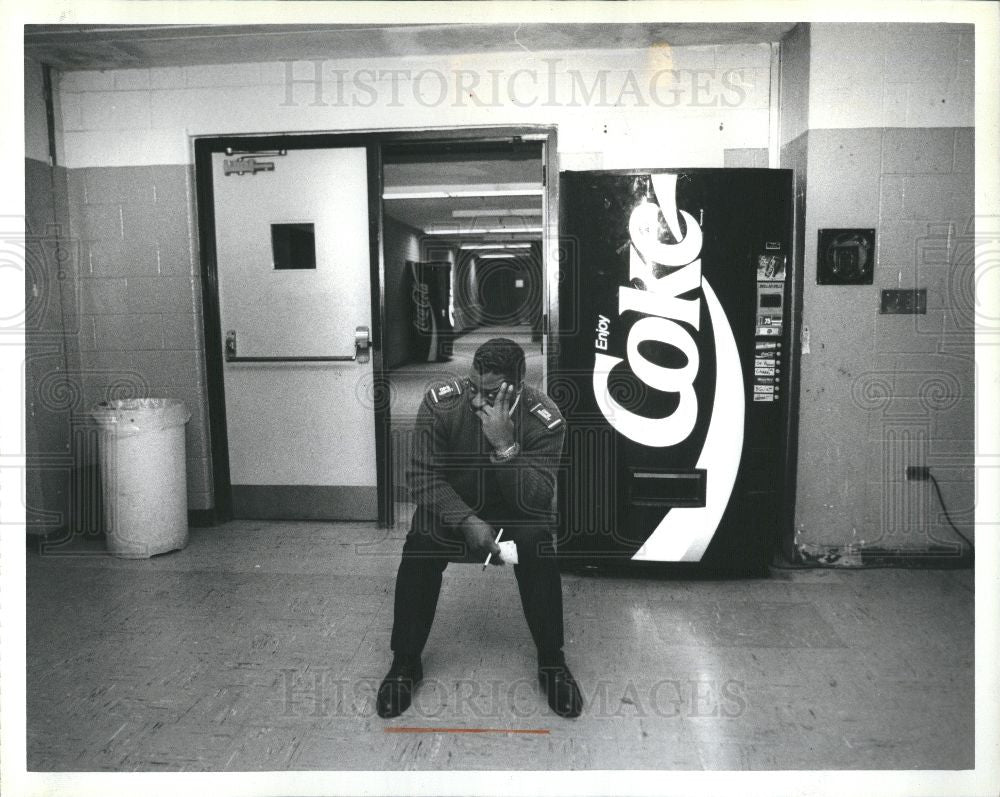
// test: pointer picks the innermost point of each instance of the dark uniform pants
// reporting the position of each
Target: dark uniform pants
(418, 584)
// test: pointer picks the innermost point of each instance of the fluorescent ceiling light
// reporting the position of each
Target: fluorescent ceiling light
(500, 255)
(461, 194)
(472, 214)
(482, 230)
(498, 245)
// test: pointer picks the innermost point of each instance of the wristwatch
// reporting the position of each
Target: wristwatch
(506, 455)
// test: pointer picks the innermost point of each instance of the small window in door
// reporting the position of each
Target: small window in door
(293, 246)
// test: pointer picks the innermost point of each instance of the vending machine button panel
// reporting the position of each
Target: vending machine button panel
(769, 326)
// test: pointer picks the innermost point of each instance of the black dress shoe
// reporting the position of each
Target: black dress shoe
(396, 690)
(560, 688)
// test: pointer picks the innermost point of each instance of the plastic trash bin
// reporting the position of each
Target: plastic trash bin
(144, 475)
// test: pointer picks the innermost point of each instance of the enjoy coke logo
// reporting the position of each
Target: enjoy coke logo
(668, 290)
(667, 318)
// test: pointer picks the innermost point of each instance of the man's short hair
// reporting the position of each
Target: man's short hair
(500, 356)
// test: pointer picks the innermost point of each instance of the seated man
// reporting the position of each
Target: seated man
(484, 459)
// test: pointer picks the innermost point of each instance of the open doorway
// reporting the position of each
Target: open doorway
(488, 185)
(462, 234)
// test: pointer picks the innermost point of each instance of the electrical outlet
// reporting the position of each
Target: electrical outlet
(910, 300)
(917, 473)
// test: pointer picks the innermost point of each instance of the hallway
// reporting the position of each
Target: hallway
(410, 382)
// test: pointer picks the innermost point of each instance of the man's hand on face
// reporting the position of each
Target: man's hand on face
(479, 536)
(497, 424)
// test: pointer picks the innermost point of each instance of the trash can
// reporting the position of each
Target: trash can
(144, 475)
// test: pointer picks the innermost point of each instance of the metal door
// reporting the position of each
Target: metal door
(293, 265)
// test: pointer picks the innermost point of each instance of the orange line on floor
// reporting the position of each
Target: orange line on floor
(467, 730)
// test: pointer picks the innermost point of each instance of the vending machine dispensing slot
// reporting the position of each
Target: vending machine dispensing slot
(667, 487)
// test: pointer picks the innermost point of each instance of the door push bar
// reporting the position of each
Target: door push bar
(362, 351)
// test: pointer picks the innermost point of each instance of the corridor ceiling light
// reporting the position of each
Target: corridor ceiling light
(482, 230)
(472, 214)
(500, 255)
(498, 245)
(462, 194)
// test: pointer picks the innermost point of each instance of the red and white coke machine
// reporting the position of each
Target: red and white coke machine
(673, 366)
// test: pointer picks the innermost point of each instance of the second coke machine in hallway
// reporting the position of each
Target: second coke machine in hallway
(673, 364)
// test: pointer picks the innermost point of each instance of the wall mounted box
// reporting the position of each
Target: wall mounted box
(904, 301)
(845, 257)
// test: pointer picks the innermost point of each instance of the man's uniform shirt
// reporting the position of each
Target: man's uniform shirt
(452, 474)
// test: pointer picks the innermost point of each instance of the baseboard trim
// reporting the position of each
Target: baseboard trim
(304, 502)
(935, 557)
(202, 518)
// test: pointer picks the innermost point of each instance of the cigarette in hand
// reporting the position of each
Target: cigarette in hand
(490, 556)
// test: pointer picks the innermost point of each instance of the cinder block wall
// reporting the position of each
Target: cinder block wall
(878, 126)
(140, 331)
(862, 97)
(53, 392)
(52, 388)
(113, 310)
(128, 133)
(662, 106)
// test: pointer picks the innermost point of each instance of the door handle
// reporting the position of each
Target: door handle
(362, 351)
(362, 344)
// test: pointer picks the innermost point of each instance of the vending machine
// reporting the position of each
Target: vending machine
(432, 334)
(673, 365)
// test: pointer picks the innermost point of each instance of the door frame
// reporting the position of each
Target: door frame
(372, 141)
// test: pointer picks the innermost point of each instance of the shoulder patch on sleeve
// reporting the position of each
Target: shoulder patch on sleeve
(444, 392)
(545, 415)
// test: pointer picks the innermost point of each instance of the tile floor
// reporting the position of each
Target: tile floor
(260, 645)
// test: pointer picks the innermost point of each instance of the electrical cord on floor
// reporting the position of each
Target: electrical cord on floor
(945, 509)
(815, 565)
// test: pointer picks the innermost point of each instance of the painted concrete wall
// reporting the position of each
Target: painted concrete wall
(125, 128)
(52, 374)
(128, 147)
(793, 84)
(140, 329)
(881, 392)
(113, 310)
(891, 75)
(36, 134)
(662, 106)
